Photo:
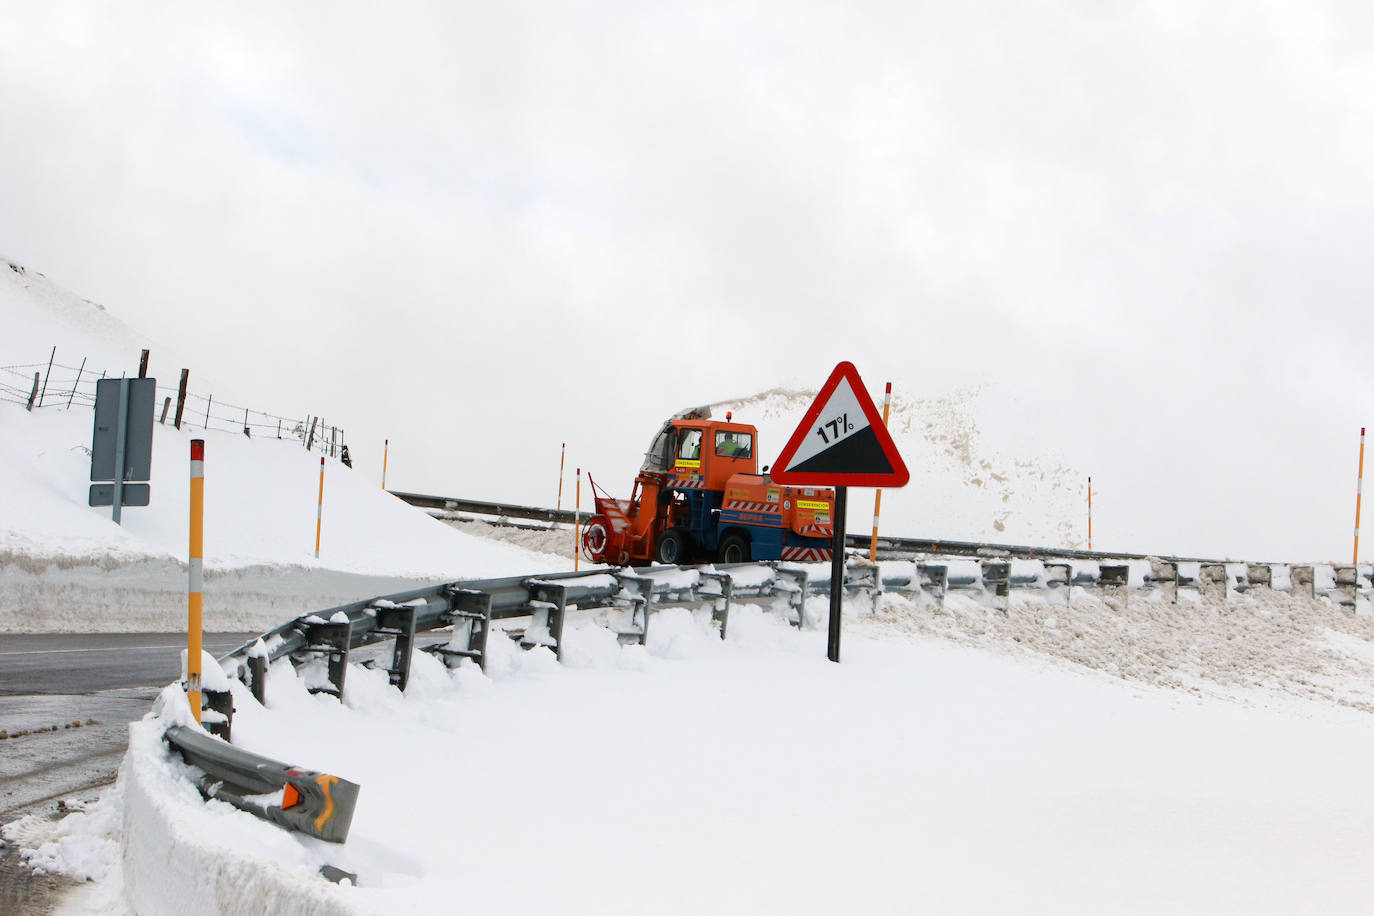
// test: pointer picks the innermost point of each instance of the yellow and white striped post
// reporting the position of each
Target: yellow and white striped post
(1359, 491)
(319, 510)
(878, 493)
(196, 576)
(1090, 513)
(386, 448)
(577, 521)
(562, 456)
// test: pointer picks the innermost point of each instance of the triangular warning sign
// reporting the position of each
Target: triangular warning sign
(841, 441)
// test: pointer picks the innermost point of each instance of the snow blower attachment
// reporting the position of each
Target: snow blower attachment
(699, 498)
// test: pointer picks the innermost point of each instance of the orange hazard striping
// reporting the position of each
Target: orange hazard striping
(325, 782)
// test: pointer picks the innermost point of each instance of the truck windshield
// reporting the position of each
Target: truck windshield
(659, 457)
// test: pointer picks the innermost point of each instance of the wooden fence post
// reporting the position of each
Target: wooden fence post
(181, 397)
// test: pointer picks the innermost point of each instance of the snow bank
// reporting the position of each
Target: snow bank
(182, 854)
(65, 566)
(752, 775)
(1261, 638)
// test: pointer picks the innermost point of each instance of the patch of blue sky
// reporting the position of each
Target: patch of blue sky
(279, 136)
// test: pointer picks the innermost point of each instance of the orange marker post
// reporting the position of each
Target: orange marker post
(1090, 513)
(195, 576)
(319, 510)
(562, 456)
(386, 447)
(878, 493)
(1359, 492)
(577, 521)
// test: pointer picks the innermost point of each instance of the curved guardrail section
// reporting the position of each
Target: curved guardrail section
(318, 804)
(468, 608)
(321, 804)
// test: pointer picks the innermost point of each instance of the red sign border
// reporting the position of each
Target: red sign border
(899, 477)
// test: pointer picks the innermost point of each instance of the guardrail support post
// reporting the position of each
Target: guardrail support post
(469, 614)
(635, 593)
(796, 590)
(398, 621)
(222, 703)
(934, 578)
(1059, 576)
(257, 677)
(1115, 578)
(1165, 573)
(332, 640)
(997, 575)
(551, 600)
(1212, 577)
(720, 607)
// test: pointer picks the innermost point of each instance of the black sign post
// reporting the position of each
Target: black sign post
(841, 442)
(832, 643)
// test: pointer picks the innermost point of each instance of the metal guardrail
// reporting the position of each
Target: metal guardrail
(318, 804)
(479, 507)
(470, 606)
(322, 805)
(888, 547)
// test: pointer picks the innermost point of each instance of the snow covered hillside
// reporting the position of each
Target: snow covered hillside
(65, 566)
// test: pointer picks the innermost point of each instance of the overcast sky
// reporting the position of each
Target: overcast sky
(1148, 225)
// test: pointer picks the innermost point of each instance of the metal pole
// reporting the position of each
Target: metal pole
(878, 493)
(386, 449)
(832, 650)
(577, 520)
(120, 434)
(196, 576)
(51, 357)
(208, 401)
(319, 510)
(33, 395)
(1359, 492)
(562, 456)
(1090, 513)
(77, 384)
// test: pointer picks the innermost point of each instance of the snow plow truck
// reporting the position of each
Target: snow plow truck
(699, 498)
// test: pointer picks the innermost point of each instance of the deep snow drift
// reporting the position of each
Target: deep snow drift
(752, 775)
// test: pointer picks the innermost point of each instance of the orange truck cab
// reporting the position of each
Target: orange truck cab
(698, 497)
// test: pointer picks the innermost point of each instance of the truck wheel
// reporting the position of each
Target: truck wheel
(734, 548)
(672, 547)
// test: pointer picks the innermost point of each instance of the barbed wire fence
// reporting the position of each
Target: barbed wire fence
(53, 385)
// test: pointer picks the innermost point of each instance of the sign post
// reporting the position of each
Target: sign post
(842, 441)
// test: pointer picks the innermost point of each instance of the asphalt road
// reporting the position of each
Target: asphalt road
(66, 701)
(84, 663)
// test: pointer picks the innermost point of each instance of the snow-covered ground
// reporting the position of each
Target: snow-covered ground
(65, 566)
(1108, 755)
(752, 775)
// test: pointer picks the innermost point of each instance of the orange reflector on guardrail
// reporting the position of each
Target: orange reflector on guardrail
(290, 797)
